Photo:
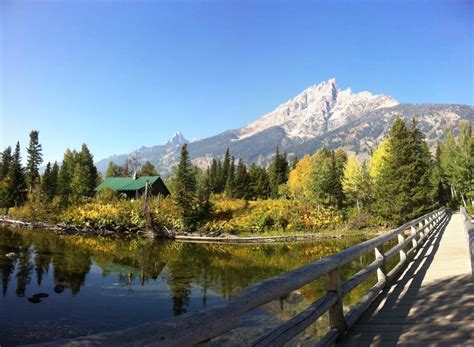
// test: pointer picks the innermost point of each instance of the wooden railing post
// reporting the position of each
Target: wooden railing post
(403, 254)
(420, 226)
(382, 270)
(336, 312)
(414, 241)
(430, 224)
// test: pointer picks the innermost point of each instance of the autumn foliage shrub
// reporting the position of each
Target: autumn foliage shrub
(233, 215)
(99, 214)
(34, 210)
(229, 215)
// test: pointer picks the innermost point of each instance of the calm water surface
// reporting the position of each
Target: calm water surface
(96, 284)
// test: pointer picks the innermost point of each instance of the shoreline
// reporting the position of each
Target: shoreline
(127, 232)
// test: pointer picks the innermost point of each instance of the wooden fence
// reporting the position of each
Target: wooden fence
(200, 327)
(469, 228)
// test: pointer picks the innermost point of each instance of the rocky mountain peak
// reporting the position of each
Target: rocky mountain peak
(318, 109)
(176, 140)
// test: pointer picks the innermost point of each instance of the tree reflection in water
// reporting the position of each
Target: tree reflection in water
(184, 269)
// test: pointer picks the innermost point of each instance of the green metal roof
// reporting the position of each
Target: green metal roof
(127, 183)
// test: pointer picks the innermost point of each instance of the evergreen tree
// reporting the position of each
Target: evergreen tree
(65, 175)
(438, 178)
(340, 157)
(278, 172)
(220, 181)
(203, 193)
(34, 159)
(465, 167)
(54, 179)
(185, 188)
(326, 178)
(229, 186)
(4, 196)
(403, 187)
(16, 188)
(85, 177)
(449, 160)
(45, 184)
(259, 183)
(214, 177)
(226, 170)
(241, 189)
(49, 182)
(423, 196)
(112, 170)
(148, 169)
(6, 161)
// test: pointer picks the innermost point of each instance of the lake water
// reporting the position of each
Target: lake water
(96, 285)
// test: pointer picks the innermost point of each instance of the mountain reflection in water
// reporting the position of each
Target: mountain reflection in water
(57, 287)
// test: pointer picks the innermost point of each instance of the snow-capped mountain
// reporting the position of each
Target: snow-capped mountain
(176, 140)
(162, 156)
(318, 109)
(321, 115)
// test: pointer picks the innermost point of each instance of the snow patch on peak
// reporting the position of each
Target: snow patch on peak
(176, 140)
(318, 109)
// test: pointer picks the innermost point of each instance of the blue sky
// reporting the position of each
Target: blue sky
(120, 74)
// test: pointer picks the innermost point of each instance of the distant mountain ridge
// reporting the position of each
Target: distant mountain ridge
(321, 115)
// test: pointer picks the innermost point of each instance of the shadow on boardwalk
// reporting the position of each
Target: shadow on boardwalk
(437, 313)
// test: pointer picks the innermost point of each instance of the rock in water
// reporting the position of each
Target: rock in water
(40, 295)
(59, 288)
(34, 300)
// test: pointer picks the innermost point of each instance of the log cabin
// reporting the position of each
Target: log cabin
(133, 187)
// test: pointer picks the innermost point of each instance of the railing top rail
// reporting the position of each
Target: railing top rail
(202, 325)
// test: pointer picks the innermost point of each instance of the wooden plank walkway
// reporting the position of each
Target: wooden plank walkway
(431, 304)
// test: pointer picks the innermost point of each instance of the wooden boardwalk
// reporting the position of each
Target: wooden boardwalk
(427, 299)
(431, 304)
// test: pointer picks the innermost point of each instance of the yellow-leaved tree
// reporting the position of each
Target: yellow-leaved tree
(356, 183)
(377, 160)
(299, 179)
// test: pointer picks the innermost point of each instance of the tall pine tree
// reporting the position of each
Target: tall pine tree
(259, 183)
(34, 159)
(148, 169)
(185, 189)
(438, 178)
(16, 187)
(403, 187)
(230, 182)
(65, 175)
(326, 178)
(112, 170)
(241, 189)
(226, 170)
(49, 182)
(6, 162)
(278, 172)
(84, 178)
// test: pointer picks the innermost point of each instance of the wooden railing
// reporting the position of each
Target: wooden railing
(469, 229)
(200, 327)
